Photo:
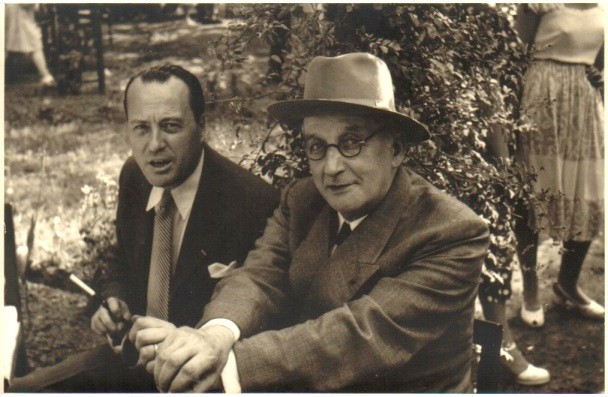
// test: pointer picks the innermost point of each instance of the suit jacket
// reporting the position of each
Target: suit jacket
(229, 213)
(390, 310)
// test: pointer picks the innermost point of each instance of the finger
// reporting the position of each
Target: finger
(115, 307)
(143, 322)
(96, 325)
(107, 324)
(153, 322)
(168, 363)
(150, 367)
(146, 354)
(162, 329)
(126, 313)
(196, 371)
(138, 324)
(206, 385)
(150, 336)
(118, 308)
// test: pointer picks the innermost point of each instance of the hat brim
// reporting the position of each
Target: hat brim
(293, 112)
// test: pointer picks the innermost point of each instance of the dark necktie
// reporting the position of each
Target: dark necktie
(343, 234)
(159, 281)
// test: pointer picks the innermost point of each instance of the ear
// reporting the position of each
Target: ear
(398, 151)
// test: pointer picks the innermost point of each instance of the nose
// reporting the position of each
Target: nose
(334, 162)
(157, 140)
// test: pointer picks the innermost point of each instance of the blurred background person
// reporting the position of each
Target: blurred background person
(565, 145)
(23, 35)
(495, 291)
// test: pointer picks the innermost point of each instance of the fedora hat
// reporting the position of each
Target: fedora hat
(357, 84)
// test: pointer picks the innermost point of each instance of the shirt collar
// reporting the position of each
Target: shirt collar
(353, 224)
(183, 195)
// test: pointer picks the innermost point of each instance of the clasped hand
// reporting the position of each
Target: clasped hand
(181, 359)
(192, 359)
(146, 334)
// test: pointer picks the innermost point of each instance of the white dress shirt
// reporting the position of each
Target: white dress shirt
(183, 196)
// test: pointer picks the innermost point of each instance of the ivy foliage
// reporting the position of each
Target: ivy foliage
(456, 67)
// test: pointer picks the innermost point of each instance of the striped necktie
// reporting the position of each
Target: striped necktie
(159, 281)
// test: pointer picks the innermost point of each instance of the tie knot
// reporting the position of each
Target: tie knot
(165, 202)
(343, 233)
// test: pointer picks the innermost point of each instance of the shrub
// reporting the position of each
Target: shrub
(97, 223)
(457, 68)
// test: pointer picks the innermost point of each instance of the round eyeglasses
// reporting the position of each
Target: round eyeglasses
(348, 146)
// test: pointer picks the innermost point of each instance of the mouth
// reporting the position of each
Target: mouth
(338, 188)
(159, 165)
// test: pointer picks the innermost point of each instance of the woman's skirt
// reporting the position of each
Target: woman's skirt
(565, 147)
(22, 33)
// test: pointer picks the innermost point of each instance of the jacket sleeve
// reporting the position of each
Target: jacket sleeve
(381, 330)
(252, 295)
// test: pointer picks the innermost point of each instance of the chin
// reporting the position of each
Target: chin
(347, 211)
(160, 182)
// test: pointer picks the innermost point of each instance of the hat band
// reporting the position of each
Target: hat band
(373, 103)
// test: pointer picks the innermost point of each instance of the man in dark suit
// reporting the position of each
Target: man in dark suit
(186, 215)
(366, 276)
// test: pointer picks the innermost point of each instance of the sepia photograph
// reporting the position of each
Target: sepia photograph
(303, 197)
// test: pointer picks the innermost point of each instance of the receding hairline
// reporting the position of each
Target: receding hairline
(144, 82)
(162, 73)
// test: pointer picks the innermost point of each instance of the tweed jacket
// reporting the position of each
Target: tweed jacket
(390, 310)
(229, 213)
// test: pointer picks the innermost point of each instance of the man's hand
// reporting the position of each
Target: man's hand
(192, 360)
(111, 322)
(145, 333)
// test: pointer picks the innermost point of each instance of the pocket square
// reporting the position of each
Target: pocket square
(219, 270)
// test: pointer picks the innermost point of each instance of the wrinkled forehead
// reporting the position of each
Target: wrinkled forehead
(170, 94)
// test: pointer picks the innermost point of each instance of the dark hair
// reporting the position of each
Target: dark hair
(162, 73)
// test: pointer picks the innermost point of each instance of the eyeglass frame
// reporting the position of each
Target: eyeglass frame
(328, 145)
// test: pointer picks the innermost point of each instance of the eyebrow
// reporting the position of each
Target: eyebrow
(163, 120)
(353, 128)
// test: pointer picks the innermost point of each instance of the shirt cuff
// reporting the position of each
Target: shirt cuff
(224, 322)
(230, 375)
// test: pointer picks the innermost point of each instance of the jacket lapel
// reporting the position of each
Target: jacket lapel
(205, 220)
(312, 254)
(339, 277)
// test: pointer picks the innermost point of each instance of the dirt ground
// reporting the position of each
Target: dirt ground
(56, 324)
(571, 348)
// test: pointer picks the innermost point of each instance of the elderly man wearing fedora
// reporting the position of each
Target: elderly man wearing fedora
(366, 275)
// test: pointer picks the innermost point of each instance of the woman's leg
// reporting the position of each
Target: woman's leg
(497, 313)
(527, 246)
(567, 292)
(511, 357)
(40, 62)
(571, 266)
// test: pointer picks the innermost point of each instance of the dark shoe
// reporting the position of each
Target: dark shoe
(591, 309)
